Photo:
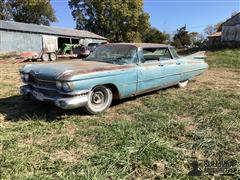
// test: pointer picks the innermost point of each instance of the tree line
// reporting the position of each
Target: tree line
(28, 11)
(117, 20)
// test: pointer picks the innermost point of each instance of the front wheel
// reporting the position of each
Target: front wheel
(100, 98)
(183, 84)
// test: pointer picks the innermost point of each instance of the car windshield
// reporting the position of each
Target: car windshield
(174, 53)
(115, 54)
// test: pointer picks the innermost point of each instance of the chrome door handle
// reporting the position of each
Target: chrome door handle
(178, 63)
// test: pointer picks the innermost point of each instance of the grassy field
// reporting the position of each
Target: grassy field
(153, 136)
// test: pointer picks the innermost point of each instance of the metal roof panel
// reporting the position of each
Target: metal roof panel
(34, 28)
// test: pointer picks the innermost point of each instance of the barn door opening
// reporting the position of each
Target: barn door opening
(65, 45)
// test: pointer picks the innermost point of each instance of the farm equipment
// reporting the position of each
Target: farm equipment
(68, 48)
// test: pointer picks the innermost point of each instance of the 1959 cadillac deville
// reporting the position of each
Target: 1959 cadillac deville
(112, 71)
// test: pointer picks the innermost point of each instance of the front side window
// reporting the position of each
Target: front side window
(115, 54)
(174, 53)
(156, 54)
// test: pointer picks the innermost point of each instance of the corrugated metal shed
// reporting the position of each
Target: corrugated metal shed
(20, 42)
(40, 29)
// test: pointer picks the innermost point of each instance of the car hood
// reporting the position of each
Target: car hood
(66, 71)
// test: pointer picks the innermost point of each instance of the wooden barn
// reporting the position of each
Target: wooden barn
(231, 30)
(229, 35)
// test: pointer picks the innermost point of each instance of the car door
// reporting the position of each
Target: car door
(157, 70)
(171, 71)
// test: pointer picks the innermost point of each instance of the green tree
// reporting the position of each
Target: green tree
(182, 38)
(153, 35)
(118, 20)
(4, 10)
(197, 39)
(28, 11)
(1, 10)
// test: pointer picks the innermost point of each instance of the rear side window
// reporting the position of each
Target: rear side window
(156, 54)
(92, 44)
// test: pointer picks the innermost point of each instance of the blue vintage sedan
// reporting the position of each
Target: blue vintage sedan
(112, 71)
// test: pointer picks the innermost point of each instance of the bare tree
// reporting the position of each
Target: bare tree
(209, 30)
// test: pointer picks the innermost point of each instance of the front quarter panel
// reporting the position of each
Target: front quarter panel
(124, 80)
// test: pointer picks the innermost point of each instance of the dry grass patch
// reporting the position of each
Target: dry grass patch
(218, 79)
(156, 135)
(69, 156)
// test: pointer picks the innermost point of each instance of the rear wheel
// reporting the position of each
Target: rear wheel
(53, 56)
(100, 98)
(45, 57)
(183, 84)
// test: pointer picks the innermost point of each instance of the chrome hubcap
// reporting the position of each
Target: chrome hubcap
(98, 98)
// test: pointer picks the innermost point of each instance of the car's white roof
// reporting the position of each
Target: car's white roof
(143, 45)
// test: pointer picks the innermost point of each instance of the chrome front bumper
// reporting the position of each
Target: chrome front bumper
(74, 102)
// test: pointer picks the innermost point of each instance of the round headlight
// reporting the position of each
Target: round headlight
(26, 77)
(22, 76)
(66, 86)
(59, 85)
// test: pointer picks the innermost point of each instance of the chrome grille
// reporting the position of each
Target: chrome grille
(50, 93)
(44, 83)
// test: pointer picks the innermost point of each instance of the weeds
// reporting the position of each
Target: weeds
(152, 136)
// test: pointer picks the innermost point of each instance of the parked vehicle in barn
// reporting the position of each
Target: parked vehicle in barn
(68, 48)
(84, 51)
(112, 71)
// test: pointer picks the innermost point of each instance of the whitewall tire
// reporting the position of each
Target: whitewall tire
(100, 98)
(183, 84)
